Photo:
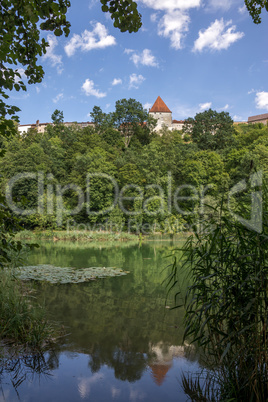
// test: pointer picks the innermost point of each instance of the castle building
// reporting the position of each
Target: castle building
(40, 127)
(260, 118)
(163, 115)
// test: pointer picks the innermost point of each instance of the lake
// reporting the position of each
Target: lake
(122, 342)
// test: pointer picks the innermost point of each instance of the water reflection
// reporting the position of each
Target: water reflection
(123, 376)
(124, 345)
(15, 371)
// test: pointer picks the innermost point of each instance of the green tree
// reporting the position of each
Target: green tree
(124, 13)
(255, 8)
(57, 117)
(21, 24)
(211, 130)
(129, 117)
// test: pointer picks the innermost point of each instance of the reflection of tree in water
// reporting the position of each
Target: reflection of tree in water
(128, 365)
(115, 321)
(27, 368)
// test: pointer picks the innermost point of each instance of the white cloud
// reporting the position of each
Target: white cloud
(146, 58)
(175, 22)
(171, 5)
(115, 392)
(252, 91)
(88, 88)
(98, 38)
(20, 97)
(226, 106)
(92, 3)
(154, 17)
(37, 89)
(117, 81)
(128, 51)
(237, 118)
(55, 59)
(204, 106)
(135, 80)
(217, 36)
(58, 97)
(85, 383)
(147, 106)
(242, 9)
(21, 71)
(219, 4)
(173, 26)
(261, 100)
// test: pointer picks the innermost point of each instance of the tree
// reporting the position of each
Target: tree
(255, 8)
(102, 121)
(211, 130)
(124, 13)
(129, 117)
(57, 117)
(21, 24)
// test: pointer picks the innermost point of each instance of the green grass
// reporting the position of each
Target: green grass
(22, 322)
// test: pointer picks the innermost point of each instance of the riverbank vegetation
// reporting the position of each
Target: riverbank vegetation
(226, 306)
(171, 184)
(23, 325)
(75, 235)
(157, 171)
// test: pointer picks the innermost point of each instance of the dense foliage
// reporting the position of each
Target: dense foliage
(164, 168)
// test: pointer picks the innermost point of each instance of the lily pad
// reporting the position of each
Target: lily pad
(52, 274)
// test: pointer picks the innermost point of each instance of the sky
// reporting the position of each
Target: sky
(194, 54)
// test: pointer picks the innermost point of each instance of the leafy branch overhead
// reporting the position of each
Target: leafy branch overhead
(21, 41)
(21, 23)
(255, 9)
(124, 13)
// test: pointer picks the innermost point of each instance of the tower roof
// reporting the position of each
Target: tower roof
(159, 106)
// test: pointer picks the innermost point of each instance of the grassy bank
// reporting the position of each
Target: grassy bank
(22, 323)
(75, 235)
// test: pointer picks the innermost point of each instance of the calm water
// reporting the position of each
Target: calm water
(123, 344)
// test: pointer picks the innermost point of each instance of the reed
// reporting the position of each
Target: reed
(226, 307)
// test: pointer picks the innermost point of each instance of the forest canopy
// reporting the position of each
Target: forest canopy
(146, 169)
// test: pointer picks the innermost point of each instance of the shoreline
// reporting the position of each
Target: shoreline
(99, 236)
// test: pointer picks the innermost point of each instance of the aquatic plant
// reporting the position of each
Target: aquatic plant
(52, 274)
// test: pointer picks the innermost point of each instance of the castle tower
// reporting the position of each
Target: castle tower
(161, 113)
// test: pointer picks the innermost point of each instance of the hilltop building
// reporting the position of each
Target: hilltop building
(260, 118)
(158, 111)
(40, 127)
(163, 115)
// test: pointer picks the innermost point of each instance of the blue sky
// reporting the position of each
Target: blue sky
(195, 54)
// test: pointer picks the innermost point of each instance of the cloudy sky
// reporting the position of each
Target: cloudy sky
(195, 54)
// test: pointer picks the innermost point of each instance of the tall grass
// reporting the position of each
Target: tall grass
(21, 321)
(227, 308)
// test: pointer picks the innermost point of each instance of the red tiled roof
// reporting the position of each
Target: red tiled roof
(159, 106)
(159, 372)
(178, 121)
